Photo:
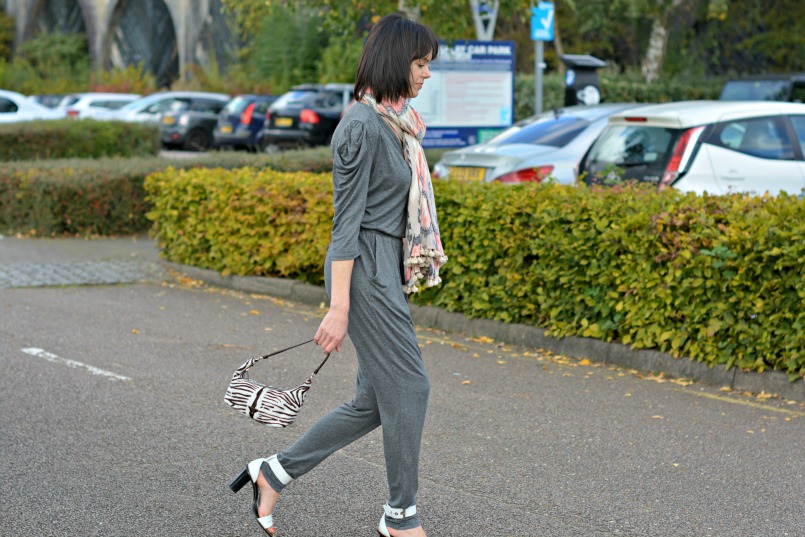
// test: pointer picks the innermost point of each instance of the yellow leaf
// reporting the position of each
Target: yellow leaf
(135, 331)
(255, 312)
(658, 417)
(585, 362)
(627, 395)
(501, 362)
(465, 382)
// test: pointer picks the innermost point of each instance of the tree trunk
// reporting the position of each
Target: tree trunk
(410, 12)
(658, 42)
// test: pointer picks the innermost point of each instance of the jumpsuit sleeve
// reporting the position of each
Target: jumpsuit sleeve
(352, 167)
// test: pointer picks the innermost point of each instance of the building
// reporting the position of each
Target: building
(165, 36)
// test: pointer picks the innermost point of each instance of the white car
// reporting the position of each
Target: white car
(533, 149)
(717, 147)
(88, 105)
(17, 107)
(151, 108)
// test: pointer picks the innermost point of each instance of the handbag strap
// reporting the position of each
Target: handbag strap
(242, 370)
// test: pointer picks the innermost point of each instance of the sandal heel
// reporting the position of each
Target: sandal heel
(240, 480)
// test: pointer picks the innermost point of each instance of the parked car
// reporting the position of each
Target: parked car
(775, 87)
(48, 100)
(305, 116)
(151, 107)
(88, 105)
(531, 150)
(17, 107)
(190, 125)
(717, 147)
(241, 120)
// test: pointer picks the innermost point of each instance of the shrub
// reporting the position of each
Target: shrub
(717, 279)
(76, 139)
(269, 223)
(105, 196)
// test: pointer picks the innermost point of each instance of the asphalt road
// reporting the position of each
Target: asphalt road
(117, 426)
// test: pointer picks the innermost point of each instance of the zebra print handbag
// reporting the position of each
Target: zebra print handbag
(266, 404)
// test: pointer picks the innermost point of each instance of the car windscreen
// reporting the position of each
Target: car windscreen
(638, 152)
(293, 98)
(756, 90)
(237, 105)
(556, 131)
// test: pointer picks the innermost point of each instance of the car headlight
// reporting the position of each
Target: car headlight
(183, 120)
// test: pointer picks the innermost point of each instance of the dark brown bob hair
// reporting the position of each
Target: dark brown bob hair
(385, 66)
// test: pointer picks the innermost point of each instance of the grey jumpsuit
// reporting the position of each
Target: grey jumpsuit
(371, 180)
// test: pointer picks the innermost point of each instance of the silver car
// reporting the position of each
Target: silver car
(548, 145)
(151, 108)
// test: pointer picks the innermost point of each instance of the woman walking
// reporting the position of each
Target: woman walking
(385, 239)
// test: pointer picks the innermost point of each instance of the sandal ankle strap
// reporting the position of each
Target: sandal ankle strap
(278, 470)
(396, 513)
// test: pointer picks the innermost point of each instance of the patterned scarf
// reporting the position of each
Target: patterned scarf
(422, 245)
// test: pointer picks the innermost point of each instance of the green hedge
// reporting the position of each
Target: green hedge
(68, 138)
(105, 196)
(717, 279)
(238, 222)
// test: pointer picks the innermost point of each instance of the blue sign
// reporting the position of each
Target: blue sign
(470, 95)
(542, 22)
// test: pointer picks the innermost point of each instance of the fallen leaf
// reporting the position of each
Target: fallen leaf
(585, 362)
(255, 312)
(658, 417)
(135, 331)
(465, 382)
(476, 355)
(501, 362)
(682, 382)
(764, 396)
(627, 395)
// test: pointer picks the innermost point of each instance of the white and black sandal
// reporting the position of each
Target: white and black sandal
(397, 514)
(251, 472)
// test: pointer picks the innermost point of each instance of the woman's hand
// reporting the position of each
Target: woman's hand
(332, 330)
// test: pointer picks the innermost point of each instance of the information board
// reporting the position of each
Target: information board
(470, 95)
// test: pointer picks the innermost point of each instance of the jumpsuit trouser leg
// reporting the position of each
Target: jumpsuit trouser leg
(392, 385)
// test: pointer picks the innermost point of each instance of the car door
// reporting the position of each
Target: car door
(754, 155)
(798, 124)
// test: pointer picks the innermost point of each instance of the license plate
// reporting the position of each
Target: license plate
(168, 120)
(226, 129)
(283, 122)
(464, 173)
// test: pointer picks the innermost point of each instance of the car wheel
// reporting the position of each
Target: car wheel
(267, 146)
(198, 140)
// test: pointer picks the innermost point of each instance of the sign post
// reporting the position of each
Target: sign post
(542, 18)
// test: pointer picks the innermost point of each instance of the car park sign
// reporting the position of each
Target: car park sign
(470, 95)
(542, 18)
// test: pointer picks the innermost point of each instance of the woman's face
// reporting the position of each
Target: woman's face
(420, 71)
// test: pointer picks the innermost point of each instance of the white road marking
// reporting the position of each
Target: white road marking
(41, 353)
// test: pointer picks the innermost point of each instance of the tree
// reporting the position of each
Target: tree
(6, 35)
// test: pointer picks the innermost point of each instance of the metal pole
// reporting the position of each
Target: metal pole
(538, 66)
